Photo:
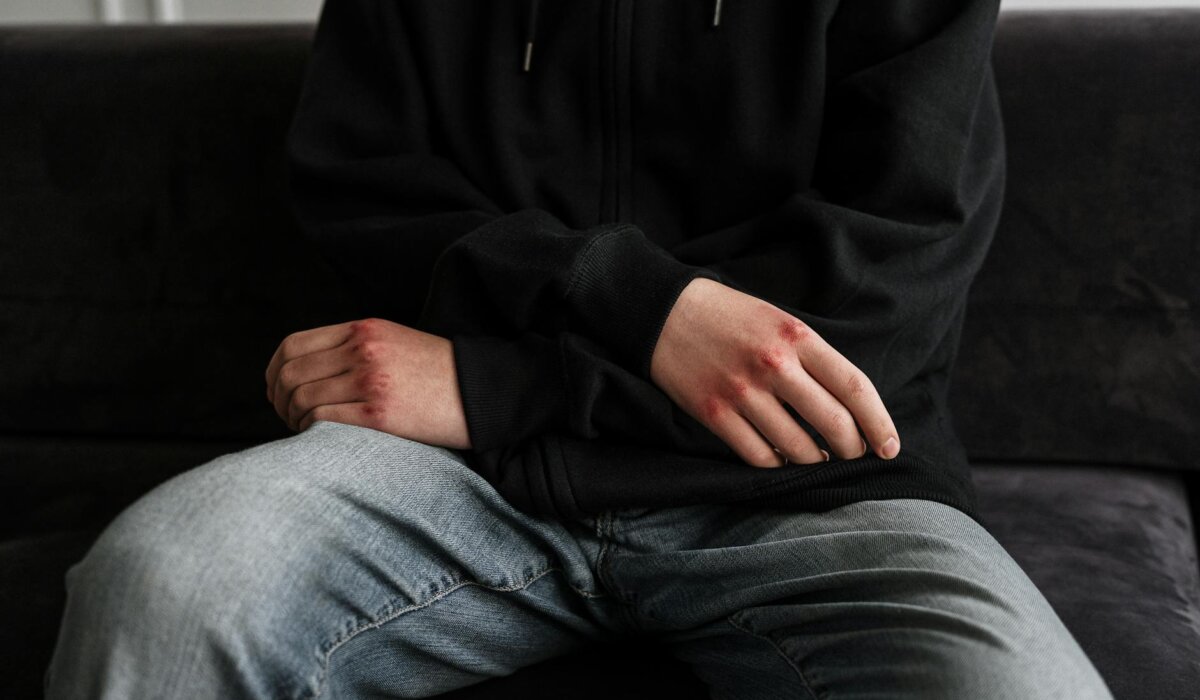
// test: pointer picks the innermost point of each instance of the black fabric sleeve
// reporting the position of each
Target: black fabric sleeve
(515, 389)
(877, 256)
(554, 327)
(369, 186)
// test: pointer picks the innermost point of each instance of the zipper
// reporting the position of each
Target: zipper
(615, 46)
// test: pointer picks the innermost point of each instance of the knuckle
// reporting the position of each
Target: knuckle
(796, 448)
(858, 386)
(364, 328)
(367, 350)
(373, 415)
(288, 346)
(770, 360)
(288, 374)
(374, 382)
(836, 422)
(298, 401)
(794, 331)
(711, 410)
(739, 390)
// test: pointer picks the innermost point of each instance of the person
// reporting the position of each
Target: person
(660, 302)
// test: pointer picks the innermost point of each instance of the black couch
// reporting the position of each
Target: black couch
(149, 267)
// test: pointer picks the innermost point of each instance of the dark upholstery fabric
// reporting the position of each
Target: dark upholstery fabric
(1113, 550)
(70, 483)
(149, 267)
(31, 603)
(1082, 337)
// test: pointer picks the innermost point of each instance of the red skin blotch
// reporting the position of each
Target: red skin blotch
(711, 409)
(771, 359)
(363, 328)
(738, 389)
(792, 330)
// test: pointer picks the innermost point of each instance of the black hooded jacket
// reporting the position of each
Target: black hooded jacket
(539, 181)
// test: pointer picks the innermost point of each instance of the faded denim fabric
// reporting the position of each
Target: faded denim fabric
(344, 562)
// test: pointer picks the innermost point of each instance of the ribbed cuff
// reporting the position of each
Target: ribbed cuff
(511, 389)
(624, 287)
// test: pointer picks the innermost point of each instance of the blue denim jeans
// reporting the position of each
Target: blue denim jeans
(344, 562)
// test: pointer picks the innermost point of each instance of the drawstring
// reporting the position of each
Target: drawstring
(531, 17)
(531, 14)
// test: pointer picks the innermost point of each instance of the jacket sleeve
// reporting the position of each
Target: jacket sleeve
(369, 186)
(877, 256)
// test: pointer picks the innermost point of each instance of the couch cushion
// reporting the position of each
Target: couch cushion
(31, 604)
(1114, 552)
(50, 484)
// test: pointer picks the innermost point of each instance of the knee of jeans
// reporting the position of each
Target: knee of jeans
(197, 553)
(243, 529)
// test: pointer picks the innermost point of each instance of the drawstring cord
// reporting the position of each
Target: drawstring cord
(531, 15)
(530, 28)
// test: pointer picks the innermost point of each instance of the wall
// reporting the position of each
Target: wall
(20, 11)
(1087, 4)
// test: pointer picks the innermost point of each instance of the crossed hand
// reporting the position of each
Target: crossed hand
(728, 359)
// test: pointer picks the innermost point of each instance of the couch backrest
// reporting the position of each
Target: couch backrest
(1082, 341)
(149, 265)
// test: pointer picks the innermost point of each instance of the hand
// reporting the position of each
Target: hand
(372, 373)
(729, 359)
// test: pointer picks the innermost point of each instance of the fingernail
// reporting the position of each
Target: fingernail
(826, 455)
(865, 448)
(891, 448)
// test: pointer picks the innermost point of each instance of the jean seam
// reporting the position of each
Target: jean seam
(783, 655)
(382, 620)
(627, 600)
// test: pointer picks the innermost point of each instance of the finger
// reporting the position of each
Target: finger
(777, 426)
(353, 413)
(303, 343)
(849, 385)
(304, 369)
(735, 431)
(340, 388)
(823, 412)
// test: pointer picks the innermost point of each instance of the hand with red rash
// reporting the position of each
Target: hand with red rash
(730, 360)
(373, 373)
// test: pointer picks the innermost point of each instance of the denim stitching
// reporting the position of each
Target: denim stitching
(787, 659)
(383, 620)
(628, 608)
(604, 542)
